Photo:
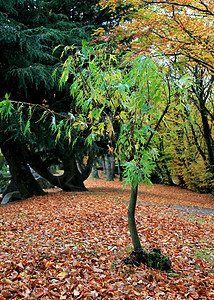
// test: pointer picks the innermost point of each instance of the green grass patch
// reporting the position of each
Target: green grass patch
(205, 254)
(198, 220)
(101, 194)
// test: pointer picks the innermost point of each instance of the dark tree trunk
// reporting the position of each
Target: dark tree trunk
(103, 163)
(20, 171)
(164, 175)
(112, 160)
(11, 187)
(120, 173)
(131, 219)
(208, 139)
(71, 180)
(168, 175)
(160, 172)
(95, 171)
(85, 170)
(196, 138)
(163, 170)
(202, 95)
(152, 259)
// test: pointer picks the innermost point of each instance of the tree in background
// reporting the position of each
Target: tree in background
(182, 147)
(34, 29)
(177, 28)
(30, 30)
(183, 32)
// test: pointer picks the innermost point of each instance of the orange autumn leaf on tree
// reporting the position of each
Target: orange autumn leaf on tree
(182, 27)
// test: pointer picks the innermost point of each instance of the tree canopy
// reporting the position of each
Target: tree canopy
(174, 27)
(30, 31)
(179, 34)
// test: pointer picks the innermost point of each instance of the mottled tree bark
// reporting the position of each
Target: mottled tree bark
(109, 171)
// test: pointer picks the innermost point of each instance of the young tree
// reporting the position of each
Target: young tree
(135, 94)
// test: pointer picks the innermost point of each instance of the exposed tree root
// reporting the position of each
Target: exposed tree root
(153, 259)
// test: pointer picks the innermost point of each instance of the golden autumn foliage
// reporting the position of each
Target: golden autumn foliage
(182, 27)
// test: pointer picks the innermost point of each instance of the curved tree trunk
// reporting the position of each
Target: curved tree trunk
(131, 219)
(202, 95)
(85, 170)
(71, 180)
(20, 171)
(11, 187)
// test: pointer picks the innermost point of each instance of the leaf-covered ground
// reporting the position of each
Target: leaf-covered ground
(71, 245)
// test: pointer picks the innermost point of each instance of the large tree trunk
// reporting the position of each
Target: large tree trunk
(71, 180)
(11, 187)
(20, 171)
(85, 170)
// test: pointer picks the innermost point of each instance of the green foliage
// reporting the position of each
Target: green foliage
(6, 108)
(34, 29)
(112, 91)
(183, 150)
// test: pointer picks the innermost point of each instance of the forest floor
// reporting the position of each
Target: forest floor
(71, 245)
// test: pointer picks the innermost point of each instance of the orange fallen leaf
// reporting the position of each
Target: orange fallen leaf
(38, 292)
